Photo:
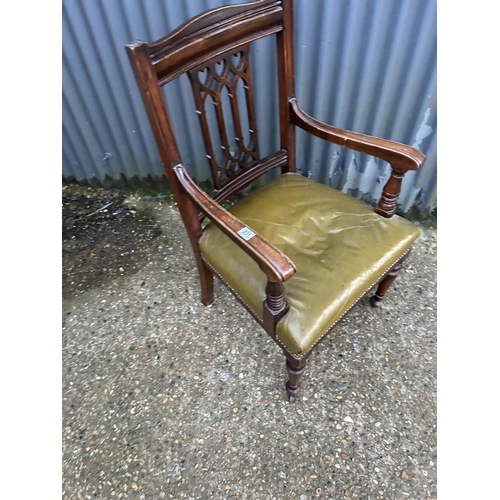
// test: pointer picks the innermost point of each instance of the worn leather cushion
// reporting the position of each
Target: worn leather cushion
(340, 247)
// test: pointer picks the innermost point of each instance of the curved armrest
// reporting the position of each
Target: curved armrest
(274, 263)
(401, 157)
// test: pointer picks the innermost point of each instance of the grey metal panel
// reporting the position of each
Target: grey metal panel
(368, 66)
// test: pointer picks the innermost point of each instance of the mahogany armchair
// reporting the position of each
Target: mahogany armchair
(296, 253)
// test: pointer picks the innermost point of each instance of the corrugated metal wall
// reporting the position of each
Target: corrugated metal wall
(363, 65)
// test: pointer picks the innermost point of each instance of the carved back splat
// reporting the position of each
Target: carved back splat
(216, 85)
(213, 48)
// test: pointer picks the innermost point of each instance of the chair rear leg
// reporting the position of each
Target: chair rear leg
(295, 369)
(207, 284)
(377, 299)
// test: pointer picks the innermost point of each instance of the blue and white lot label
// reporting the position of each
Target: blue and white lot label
(246, 233)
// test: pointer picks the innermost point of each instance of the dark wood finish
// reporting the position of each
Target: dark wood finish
(377, 299)
(206, 21)
(169, 151)
(286, 84)
(208, 82)
(295, 368)
(202, 39)
(275, 306)
(400, 156)
(276, 160)
(386, 207)
(295, 361)
(215, 46)
(207, 284)
(253, 313)
(273, 262)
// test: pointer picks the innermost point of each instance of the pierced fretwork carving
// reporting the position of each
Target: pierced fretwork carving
(225, 85)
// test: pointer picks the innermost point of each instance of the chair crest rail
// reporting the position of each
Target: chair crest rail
(210, 35)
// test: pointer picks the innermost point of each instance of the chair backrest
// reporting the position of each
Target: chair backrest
(213, 49)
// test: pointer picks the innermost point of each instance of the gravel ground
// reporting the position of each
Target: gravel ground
(165, 398)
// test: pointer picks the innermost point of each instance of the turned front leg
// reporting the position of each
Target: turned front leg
(377, 299)
(295, 369)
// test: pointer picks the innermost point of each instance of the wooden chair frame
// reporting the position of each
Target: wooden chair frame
(202, 42)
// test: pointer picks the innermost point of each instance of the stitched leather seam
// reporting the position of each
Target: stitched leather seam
(354, 303)
(256, 316)
(261, 323)
(278, 341)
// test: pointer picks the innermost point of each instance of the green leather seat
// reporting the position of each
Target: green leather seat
(340, 247)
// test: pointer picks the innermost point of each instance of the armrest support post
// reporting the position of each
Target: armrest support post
(275, 305)
(386, 206)
(400, 156)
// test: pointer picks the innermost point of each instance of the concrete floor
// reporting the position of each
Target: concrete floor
(165, 398)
